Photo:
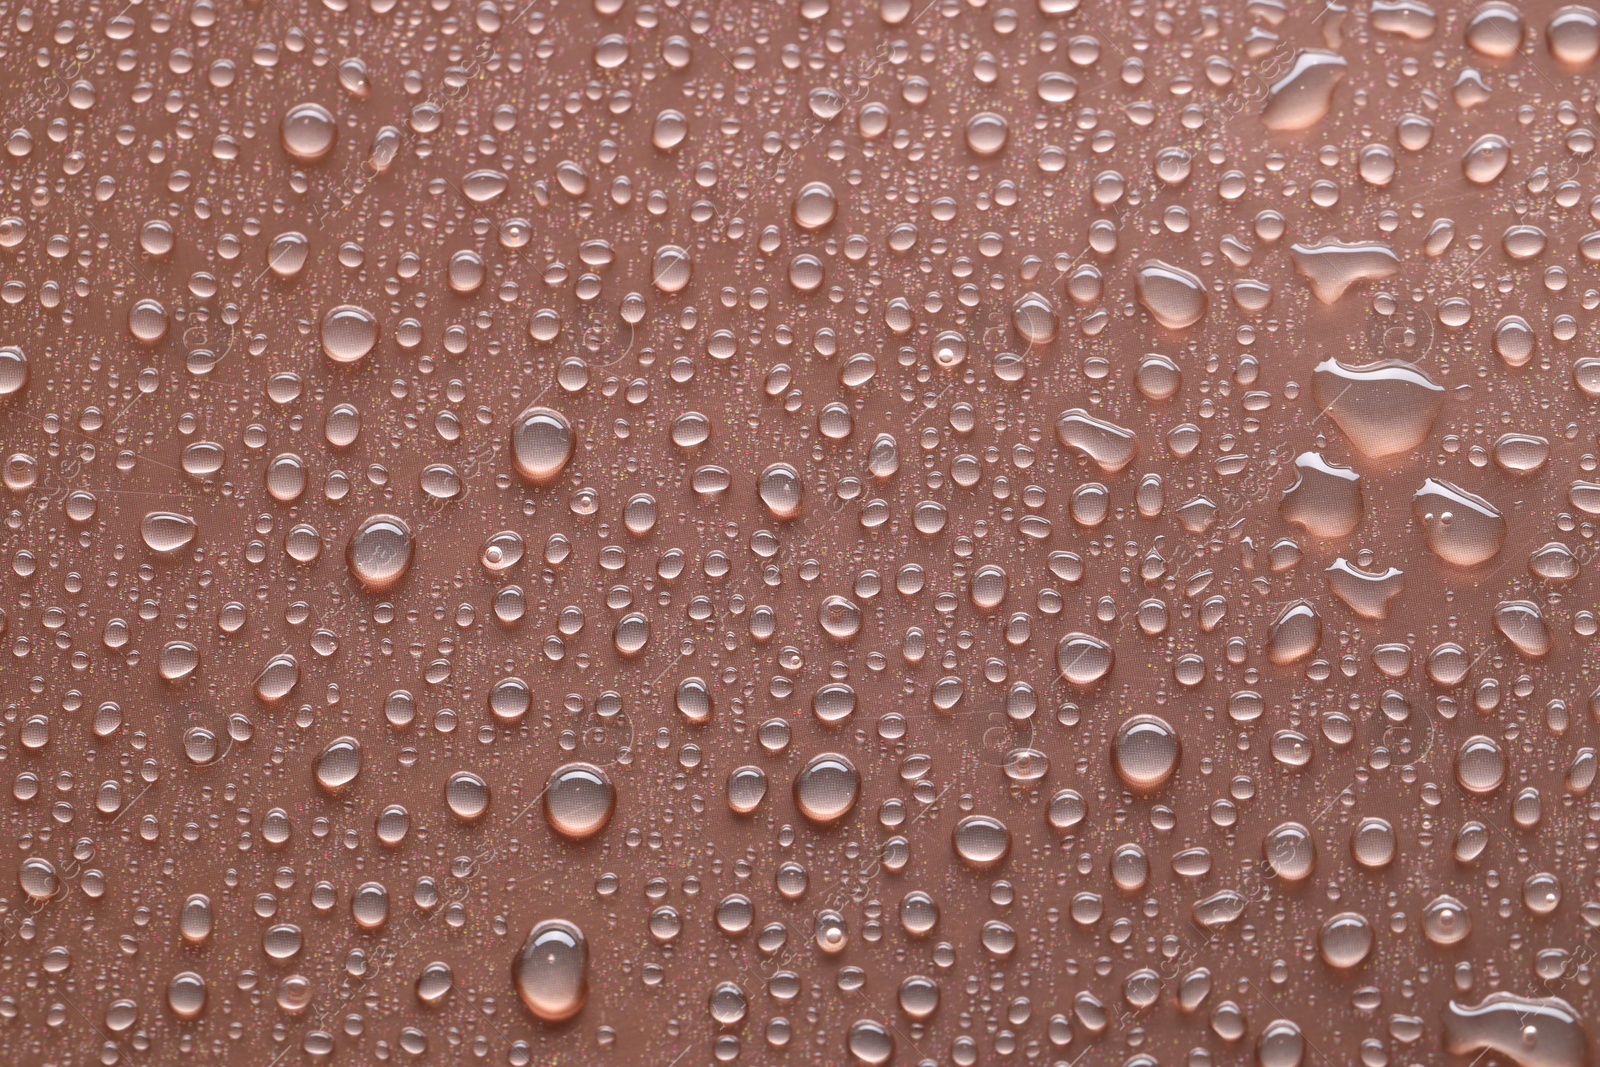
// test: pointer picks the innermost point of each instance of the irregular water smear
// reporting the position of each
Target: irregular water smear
(1459, 527)
(1368, 593)
(1174, 297)
(1326, 499)
(1334, 266)
(1385, 409)
(1303, 96)
(1110, 446)
(1530, 1031)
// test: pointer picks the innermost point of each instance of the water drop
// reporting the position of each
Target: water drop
(349, 333)
(467, 796)
(1480, 765)
(1083, 659)
(1145, 753)
(578, 800)
(986, 133)
(380, 552)
(781, 491)
(309, 132)
(981, 841)
(1573, 35)
(168, 532)
(826, 788)
(542, 444)
(551, 972)
(338, 765)
(186, 995)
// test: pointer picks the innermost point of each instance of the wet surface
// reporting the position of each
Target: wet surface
(627, 533)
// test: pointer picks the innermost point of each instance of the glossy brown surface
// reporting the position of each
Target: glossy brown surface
(814, 533)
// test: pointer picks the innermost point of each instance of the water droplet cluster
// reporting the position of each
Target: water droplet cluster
(871, 533)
